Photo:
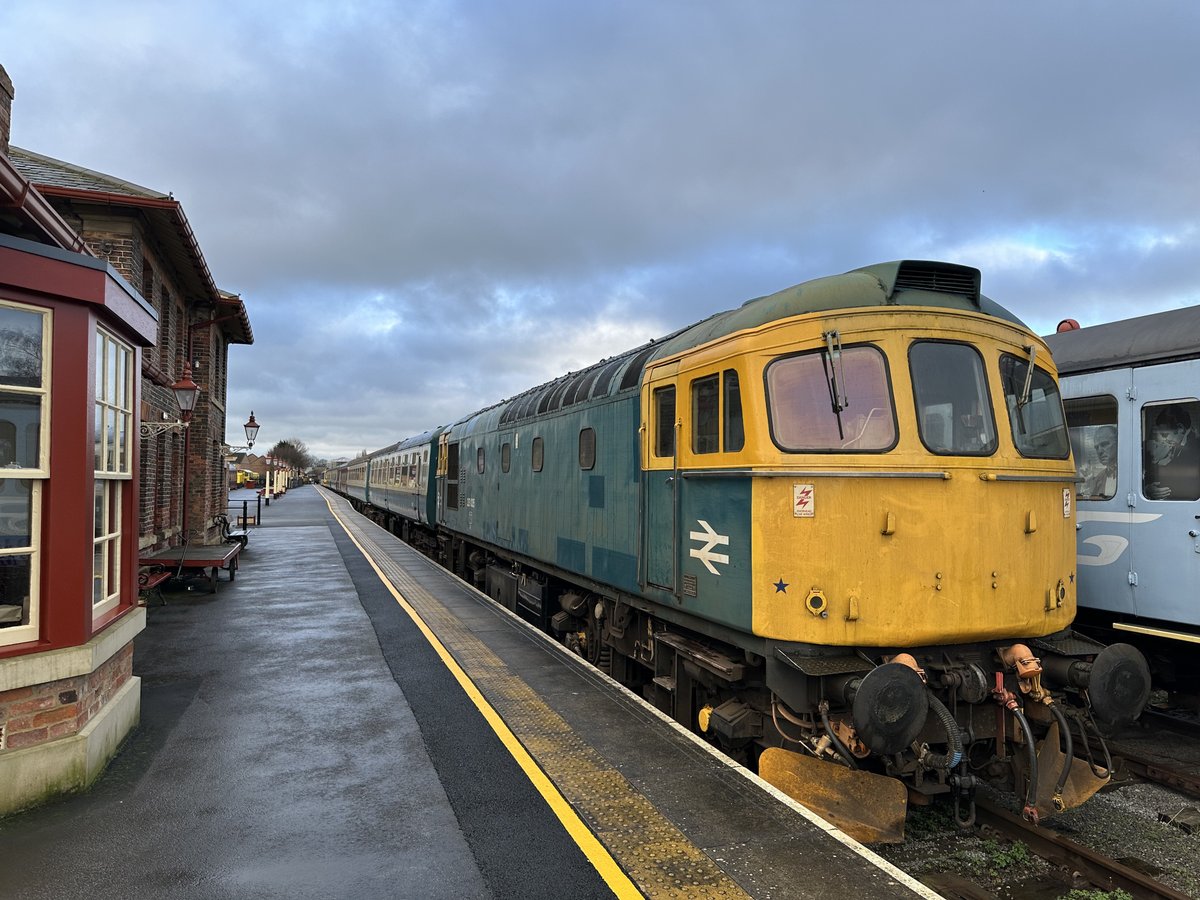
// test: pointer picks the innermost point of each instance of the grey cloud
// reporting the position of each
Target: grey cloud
(396, 188)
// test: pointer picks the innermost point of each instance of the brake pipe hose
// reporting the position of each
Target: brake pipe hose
(954, 749)
(1065, 729)
(838, 745)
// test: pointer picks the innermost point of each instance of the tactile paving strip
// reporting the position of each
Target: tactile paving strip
(656, 855)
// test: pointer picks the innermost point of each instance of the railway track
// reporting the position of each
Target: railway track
(1157, 771)
(1131, 761)
(1101, 871)
(1188, 726)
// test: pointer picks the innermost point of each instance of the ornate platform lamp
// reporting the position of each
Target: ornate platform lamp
(186, 393)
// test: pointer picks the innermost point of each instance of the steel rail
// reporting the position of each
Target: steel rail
(1188, 727)
(1106, 874)
(1146, 769)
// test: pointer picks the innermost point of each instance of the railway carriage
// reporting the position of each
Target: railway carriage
(833, 524)
(1132, 395)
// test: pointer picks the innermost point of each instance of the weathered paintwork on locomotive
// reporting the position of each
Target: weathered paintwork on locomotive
(896, 547)
(582, 521)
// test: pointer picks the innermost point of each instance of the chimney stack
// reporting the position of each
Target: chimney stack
(6, 99)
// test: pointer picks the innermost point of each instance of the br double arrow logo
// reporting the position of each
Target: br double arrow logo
(711, 539)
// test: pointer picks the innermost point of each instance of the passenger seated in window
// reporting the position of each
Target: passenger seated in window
(1100, 473)
(1172, 457)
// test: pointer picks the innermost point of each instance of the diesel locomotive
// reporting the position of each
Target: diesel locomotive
(832, 530)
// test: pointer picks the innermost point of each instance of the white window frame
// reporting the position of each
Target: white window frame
(30, 630)
(113, 460)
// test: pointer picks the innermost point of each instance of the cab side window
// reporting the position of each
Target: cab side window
(664, 421)
(1034, 410)
(735, 431)
(706, 415)
(717, 414)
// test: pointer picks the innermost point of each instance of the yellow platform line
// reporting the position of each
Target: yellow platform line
(656, 856)
(613, 875)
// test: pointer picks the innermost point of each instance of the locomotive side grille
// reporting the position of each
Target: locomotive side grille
(633, 374)
(941, 278)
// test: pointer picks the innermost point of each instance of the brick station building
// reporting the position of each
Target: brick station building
(105, 298)
(146, 237)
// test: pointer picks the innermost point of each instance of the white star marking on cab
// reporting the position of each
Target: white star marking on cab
(711, 539)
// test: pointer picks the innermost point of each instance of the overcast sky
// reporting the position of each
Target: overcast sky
(428, 207)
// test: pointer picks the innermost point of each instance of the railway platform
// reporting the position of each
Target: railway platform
(349, 720)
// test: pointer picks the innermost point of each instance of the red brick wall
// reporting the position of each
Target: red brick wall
(45, 712)
(182, 336)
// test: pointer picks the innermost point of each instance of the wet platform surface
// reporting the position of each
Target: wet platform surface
(348, 720)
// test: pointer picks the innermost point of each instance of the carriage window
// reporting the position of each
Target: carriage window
(1171, 450)
(587, 448)
(954, 415)
(706, 420)
(735, 433)
(664, 421)
(1092, 427)
(1037, 423)
(479, 460)
(505, 457)
(804, 416)
(539, 453)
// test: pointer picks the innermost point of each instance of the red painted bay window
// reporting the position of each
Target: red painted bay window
(71, 332)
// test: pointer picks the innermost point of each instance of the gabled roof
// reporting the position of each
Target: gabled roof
(47, 170)
(231, 313)
(55, 178)
(27, 214)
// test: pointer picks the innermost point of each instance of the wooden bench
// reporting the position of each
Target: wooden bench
(150, 582)
(231, 535)
(204, 558)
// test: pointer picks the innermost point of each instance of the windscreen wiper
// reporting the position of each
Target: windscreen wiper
(835, 376)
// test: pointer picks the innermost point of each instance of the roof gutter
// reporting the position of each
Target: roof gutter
(29, 200)
(164, 203)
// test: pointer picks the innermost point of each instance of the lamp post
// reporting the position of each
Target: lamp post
(251, 431)
(251, 435)
(186, 392)
(251, 428)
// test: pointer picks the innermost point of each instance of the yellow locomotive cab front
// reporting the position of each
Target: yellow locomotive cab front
(925, 515)
(910, 471)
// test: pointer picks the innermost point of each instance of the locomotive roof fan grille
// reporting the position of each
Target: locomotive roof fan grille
(938, 277)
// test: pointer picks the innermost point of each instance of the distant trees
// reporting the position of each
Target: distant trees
(293, 452)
